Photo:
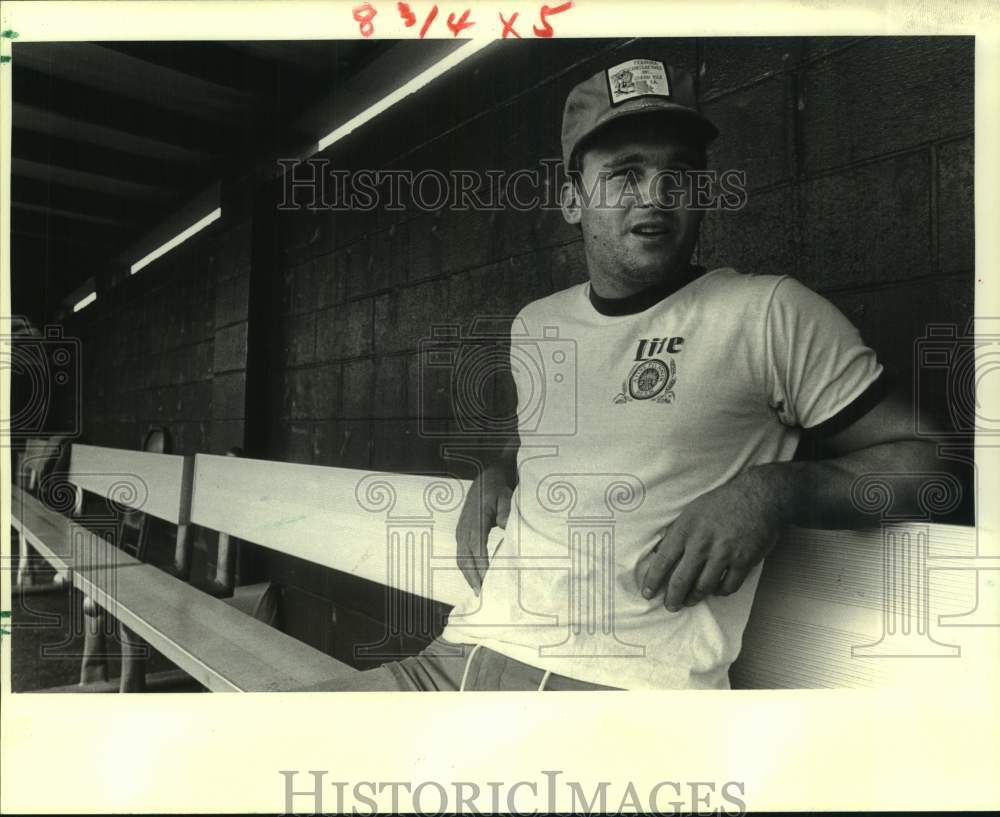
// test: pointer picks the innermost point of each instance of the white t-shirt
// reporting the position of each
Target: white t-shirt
(623, 421)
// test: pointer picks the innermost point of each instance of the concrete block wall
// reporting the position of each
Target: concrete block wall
(164, 348)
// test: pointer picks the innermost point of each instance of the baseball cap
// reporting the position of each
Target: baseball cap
(638, 86)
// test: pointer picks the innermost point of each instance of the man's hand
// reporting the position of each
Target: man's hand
(487, 505)
(715, 542)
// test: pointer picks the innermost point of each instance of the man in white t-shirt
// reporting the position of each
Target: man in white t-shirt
(618, 541)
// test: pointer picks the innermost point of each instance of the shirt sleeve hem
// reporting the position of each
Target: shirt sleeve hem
(871, 395)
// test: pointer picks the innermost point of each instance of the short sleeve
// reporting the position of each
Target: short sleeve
(520, 363)
(817, 363)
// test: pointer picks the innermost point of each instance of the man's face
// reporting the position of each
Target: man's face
(637, 227)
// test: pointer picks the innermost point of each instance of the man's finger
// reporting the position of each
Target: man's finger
(733, 580)
(684, 576)
(663, 558)
(706, 584)
(468, 567)
(478, 548)
(503, 510)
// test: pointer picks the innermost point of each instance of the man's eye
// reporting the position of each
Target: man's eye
(621, 172)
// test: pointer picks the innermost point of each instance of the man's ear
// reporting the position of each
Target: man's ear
(569, 202)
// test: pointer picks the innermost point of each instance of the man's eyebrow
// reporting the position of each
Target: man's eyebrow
(625, 159)
(638, 158)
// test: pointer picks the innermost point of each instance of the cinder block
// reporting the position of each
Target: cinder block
(429, 386)
(312, 393)
(351, 224)
(305, 288)
(499, 290)
(295, 442)
(884, 95)
(728, 63)
(357, 389)
(378, 261)
(230, 348)
(762, 238)
(225, 434)
(397, 445)
(868, 225)
(756, 132)
(331, 275)
(344, 330)
(568, 264)
(955, 210)
(188, 437)
(300, 339)
(389, 399)
(231, 300)
(229, 396)
(194, 401)
(428, 235)
(408, 314)
(202, 360)
(342, 443)
(303, 235)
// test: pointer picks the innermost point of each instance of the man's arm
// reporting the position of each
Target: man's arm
(712, 546)
(487, 505)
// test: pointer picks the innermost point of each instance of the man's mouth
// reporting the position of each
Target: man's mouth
(650, 229)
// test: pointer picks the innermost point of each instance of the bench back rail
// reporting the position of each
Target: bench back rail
(395, 529)
(831, 607)
(155, 484)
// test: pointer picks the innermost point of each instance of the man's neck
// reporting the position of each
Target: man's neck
(642, 299)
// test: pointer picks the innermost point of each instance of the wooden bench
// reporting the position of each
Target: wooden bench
(834, 608)
(890, 606)
(33, 464)
(212, 641)
(305, 511)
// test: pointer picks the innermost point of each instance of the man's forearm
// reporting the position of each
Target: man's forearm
(506, 464)
(819, 494)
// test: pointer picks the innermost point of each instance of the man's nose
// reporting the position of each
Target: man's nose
(646, 193)
(663, 189)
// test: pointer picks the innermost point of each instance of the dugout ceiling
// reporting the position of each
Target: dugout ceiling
(111, 138)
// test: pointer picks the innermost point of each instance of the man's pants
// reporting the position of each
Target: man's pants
(444, 666)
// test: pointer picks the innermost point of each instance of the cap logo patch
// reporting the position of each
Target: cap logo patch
(637, 78)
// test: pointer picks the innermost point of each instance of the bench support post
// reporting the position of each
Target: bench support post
(95, 662)
(182, 552)
(225, 563)
(135, 653)
(25, 572)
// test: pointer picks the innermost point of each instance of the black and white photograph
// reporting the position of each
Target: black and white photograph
(456, 352)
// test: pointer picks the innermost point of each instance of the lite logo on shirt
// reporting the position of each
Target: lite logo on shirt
(651, 378)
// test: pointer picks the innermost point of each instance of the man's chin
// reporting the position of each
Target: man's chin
(650, 275)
